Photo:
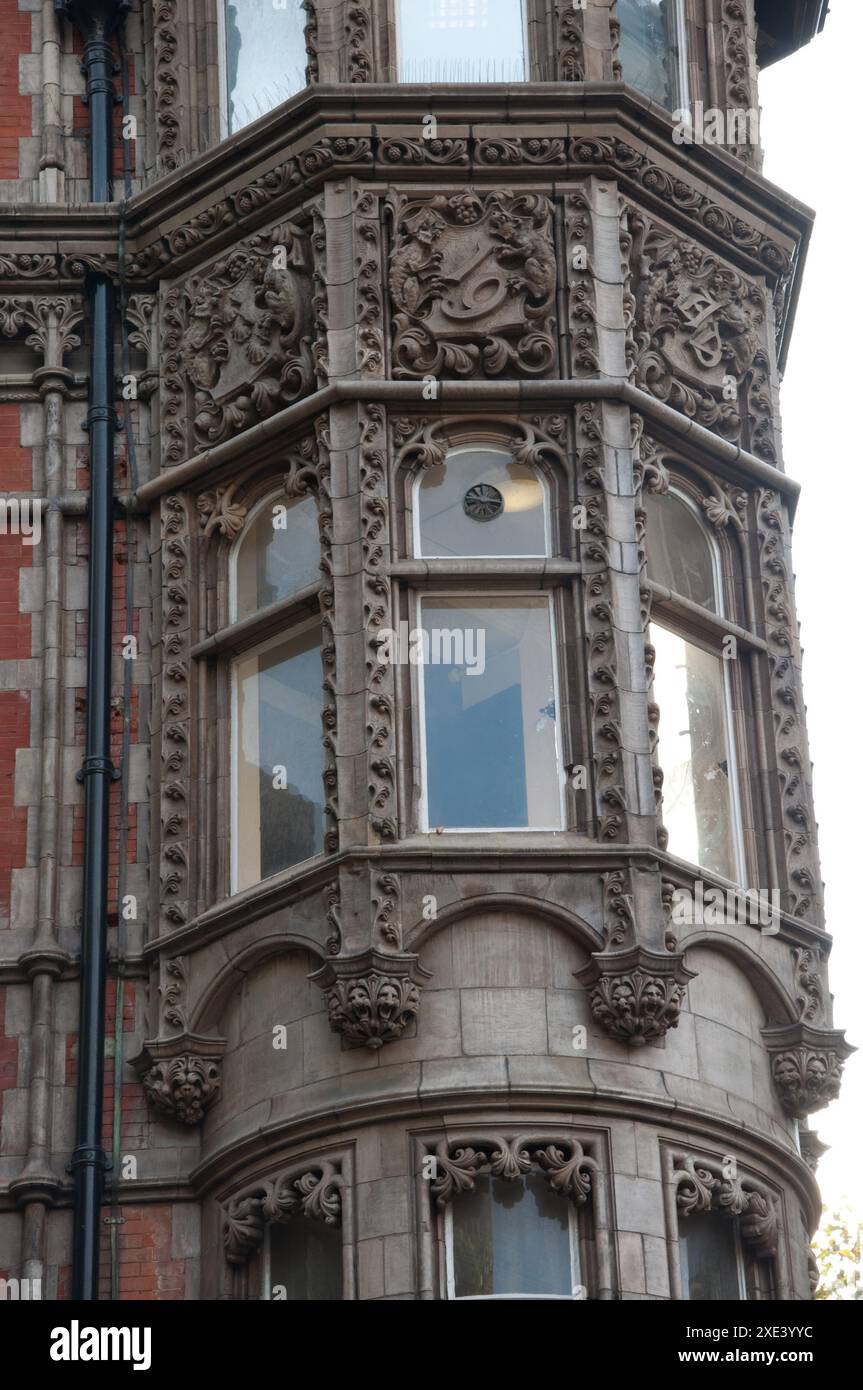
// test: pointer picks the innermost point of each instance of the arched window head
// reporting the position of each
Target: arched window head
(680, 554)
(480, 502)
(264, 57)
(277, 555)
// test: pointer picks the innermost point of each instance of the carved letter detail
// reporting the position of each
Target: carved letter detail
(472, 281)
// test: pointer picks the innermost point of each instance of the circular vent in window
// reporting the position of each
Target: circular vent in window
(483, 502)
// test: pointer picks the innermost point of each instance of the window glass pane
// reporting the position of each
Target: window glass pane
(491, 739)
(278, 714)
(306, 1261)
(512, 1238)
(461, 41)
(652, 49)
(708, 1258)
(480, 502)
(280, 553)
(265, 53)
(689, 688)
(679, 554)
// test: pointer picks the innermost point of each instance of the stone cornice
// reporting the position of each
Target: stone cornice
(254, 443)
(580, 1105)
(375, 130)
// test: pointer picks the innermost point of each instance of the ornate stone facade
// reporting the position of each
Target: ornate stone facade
(372, 1036)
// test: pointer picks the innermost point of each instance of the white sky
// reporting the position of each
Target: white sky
(811, 113)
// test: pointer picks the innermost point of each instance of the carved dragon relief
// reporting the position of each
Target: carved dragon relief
(700, 336)
(472, 282)
(238, 341)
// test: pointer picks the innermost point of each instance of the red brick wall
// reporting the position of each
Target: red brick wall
(147, 1270)
(16, 111)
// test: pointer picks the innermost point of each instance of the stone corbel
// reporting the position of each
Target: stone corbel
(181, 1076)
(635, 995)
(812, 1149)
(372, 996)
(806, 1064)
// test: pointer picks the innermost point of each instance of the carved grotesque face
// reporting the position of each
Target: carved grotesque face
(358, 998)
(653, 997)
(623, 997)
(786, 1072)
(388, 999)
(816, 1072)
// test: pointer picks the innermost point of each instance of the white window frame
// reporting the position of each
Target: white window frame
(500, 451)
(737, 837)
(576, 1278)
(525, 29)
(479, 596)
(682, 36)
(294, 630)
(272, 499)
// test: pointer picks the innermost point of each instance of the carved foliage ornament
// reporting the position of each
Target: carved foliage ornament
(635, 995)
(311, 1190)
(238, 341)
(373, 996)
(783, 655)
(702, 1185)
(175, 743)
(472, 282)
(458, 1162)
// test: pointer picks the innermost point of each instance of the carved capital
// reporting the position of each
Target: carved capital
(811, 1149)
(806, 1064)
(181, 1076)
(635, 995)
(373, 996)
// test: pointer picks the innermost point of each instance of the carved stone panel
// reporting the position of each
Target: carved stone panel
(237, 343)
(472, 281)
(700, 335)
(705, 1185)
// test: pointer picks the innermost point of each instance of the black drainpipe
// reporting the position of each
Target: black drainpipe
(96, 20)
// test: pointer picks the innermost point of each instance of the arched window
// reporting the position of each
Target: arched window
(263, 57)
(462, 41)
(488, 677)
(480, 502)
(711, 1258)
(692, 687)
(653, 49)
(277, 749)
(513, 1239)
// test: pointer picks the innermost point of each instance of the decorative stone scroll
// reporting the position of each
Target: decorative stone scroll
(472, 281)
(806, 1064)
(569, 42)
(792, 758)
(372, 996)
(705, 1185)
(174, 887)
(237, 341)
(635, 995)
(458, 1162)
(308, 1189)
(182, 1075)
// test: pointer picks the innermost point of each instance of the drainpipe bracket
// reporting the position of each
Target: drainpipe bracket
(101, 766)
(88, 1156)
